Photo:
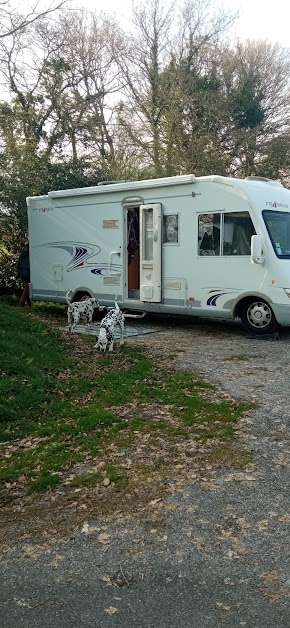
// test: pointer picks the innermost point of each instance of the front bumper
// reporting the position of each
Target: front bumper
(282, 313)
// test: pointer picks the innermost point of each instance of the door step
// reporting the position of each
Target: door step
(127, 315)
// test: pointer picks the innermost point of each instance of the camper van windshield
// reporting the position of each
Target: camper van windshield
(278, 225)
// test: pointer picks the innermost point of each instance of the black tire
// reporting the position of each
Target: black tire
(258, 317)
(82, 296)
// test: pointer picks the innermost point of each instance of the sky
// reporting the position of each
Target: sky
(262, 19)
(259, 19)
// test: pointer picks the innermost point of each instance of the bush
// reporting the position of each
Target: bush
(11, 243)
(9, 281)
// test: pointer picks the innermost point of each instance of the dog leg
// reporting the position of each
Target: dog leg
(74, 324)
(69, 320)
(89, 323)
(122, 333)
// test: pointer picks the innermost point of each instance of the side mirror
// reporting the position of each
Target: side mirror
(256, 250)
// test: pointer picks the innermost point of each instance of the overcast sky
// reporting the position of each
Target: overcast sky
(262, 19)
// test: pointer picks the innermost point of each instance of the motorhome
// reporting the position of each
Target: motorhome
(207, 246)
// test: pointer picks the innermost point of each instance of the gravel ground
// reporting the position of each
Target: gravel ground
(211, 554)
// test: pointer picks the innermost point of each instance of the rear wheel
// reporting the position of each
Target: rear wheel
(258, 317)
(82, 296)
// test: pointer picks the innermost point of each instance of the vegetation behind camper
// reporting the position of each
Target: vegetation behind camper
(138, 108)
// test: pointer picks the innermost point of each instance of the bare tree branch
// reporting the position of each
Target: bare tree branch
(12, 21)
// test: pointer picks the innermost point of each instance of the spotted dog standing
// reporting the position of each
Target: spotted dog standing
(107, 329)
(81, 311)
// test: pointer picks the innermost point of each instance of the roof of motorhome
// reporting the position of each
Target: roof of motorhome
(127, 185)
(248, 182)
(236, 182)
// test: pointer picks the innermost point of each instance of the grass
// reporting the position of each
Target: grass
(57, 412)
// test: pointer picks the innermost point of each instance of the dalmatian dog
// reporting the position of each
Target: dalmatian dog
(107, 329)
(81, 311)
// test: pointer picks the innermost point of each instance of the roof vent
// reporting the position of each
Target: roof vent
(252, 178)
(110, 182)
(265, 180)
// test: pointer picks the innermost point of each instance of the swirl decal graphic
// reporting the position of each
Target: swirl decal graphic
(212, 300)
(80, 254)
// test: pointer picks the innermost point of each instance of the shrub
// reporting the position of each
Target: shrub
(11, 243)
(9, 281)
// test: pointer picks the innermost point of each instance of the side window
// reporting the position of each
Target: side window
(237, 232)
(170, 229)
(209, 229)
(225, 234)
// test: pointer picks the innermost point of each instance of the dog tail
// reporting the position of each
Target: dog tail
(116, 302)
(68, 296)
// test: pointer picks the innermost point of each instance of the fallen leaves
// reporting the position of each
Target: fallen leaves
(153, 502)
(64, 375)
(120, 579)
(104, 538)
(223, 606)
(88, 529)
(111, 610)
(85, 529)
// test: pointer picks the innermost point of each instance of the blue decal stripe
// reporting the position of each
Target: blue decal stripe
(80, 251)
(213, 299)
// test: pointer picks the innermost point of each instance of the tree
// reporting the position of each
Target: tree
(257, 90)
(140, 63)
(11, 21)
(152, 63)
(194, 113)
(57, 111)
(225, 109)
(274, 158)
(94, 81)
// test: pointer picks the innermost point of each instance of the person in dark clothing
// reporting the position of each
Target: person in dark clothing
(24, 275)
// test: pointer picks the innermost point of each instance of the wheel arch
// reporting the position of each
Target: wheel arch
(81, 291)
(244, 298)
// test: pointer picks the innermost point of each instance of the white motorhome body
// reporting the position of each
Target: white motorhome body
(202, 246)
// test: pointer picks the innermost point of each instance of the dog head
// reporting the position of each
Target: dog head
(94, 302)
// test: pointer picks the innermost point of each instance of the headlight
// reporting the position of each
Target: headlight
(287, 290)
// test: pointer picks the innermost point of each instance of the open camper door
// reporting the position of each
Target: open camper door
(150, 252)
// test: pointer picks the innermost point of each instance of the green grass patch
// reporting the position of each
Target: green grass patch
(44, 482)
(117, 476)
(85, 480)
(56, 411)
